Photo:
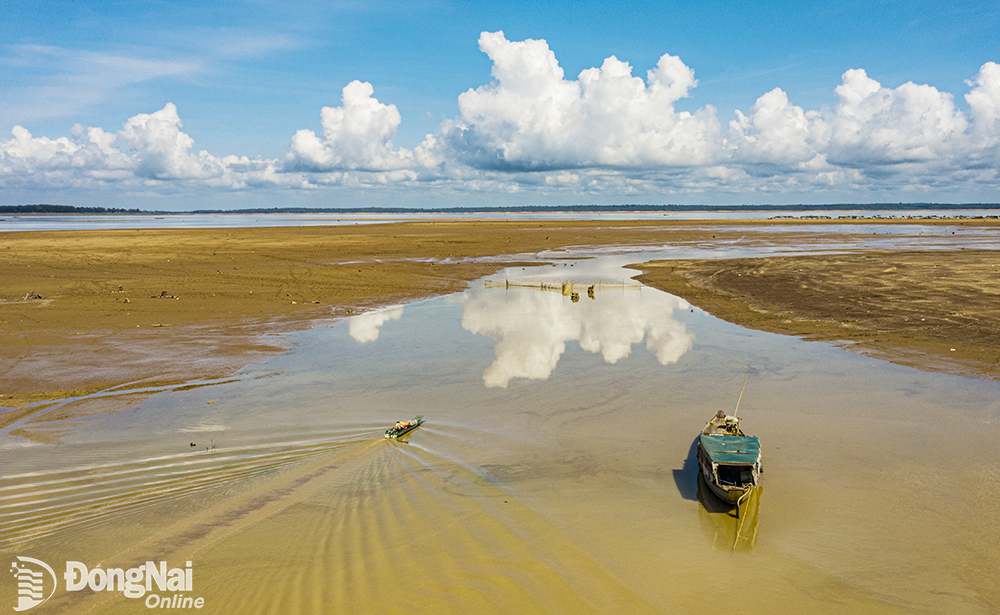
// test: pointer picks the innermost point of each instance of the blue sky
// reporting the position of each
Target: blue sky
(113, 103)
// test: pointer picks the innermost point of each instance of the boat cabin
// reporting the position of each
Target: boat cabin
(734, 459)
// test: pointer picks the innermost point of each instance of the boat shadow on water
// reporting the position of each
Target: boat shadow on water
(727, 527)
(685, 477)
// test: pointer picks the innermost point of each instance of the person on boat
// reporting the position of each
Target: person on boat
(728, 424)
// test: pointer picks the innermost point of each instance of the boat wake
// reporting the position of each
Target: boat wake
(364, 525)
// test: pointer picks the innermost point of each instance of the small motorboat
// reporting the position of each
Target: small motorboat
(728, 458)
(401, 428)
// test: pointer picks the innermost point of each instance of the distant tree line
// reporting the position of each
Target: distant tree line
(64, 209)
(70, 209)
(603, 208)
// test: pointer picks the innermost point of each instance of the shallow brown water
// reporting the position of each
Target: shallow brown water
(555, 472)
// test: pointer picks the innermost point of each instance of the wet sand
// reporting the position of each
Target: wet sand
(574, 492)
(152, 309)
(933, 310)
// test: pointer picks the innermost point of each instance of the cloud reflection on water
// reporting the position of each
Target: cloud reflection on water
(365, 327)
(531, 328)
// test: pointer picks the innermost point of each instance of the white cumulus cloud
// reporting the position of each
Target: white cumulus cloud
(532, 118)
(161, 151)
(151, 149)
(875, 125)
(777, 132)
(874, 136)
(356, 136)
(984, 112)
(533, 131)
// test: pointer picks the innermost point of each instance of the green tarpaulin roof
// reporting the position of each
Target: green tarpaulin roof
(731, 449)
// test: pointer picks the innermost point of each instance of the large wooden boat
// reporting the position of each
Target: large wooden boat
(728, 458)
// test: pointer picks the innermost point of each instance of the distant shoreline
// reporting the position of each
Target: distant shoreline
(48, 209)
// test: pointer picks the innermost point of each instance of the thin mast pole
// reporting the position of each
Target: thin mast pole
(741, 395)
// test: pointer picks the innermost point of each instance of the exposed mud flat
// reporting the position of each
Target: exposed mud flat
(934, 309)
(145, 308)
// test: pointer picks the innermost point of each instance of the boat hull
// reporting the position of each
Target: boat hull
(401, 433)
(394, 433)
(727, 529)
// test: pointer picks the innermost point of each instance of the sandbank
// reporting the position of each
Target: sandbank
(936, 310)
